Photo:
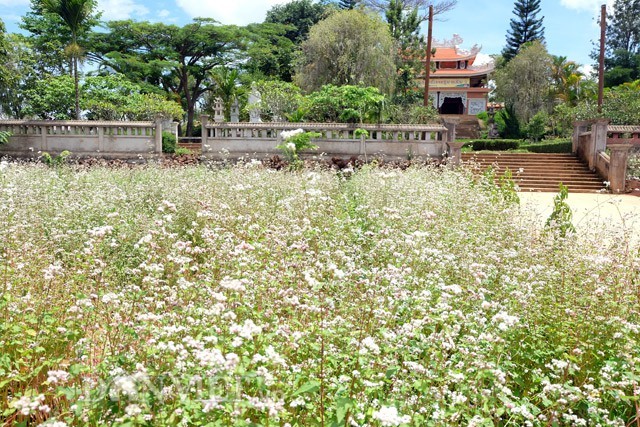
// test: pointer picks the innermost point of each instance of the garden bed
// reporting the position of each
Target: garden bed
(245, 296)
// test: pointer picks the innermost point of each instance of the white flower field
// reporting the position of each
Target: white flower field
(241, 296)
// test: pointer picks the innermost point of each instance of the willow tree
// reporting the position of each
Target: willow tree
(349, 47)
(75, 14)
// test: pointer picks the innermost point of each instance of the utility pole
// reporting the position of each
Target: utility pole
(603, 30)
(427, 68)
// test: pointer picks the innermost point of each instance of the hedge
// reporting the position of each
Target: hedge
(549, 147)
(553, 146)
(495, 144)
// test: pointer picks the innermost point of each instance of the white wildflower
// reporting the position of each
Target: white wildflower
(388, 416)
(55, 377)
(132, 410)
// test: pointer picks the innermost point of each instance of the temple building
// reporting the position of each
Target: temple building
(458, 86)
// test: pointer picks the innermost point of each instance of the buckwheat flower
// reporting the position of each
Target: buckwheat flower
(247, 330)
(274, 357)
(124, 385)
(291, 146)
(132, 410)
(55, 377)
(53, 423)
(109, 297)
(232, 284)
(504, 320)
(100, 231)
(299, 401)
(211, 404)
(369, 344)
(389, 417)
(52, 271)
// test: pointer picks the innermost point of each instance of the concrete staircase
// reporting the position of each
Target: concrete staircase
(539, 172)
(194, 147)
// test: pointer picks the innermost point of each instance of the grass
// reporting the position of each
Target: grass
(247, 297)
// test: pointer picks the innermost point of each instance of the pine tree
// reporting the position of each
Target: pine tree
(347, 4)
(525, 28)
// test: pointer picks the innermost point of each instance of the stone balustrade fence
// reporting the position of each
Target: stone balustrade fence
(591, 141)
(82, 138)
(337, 139)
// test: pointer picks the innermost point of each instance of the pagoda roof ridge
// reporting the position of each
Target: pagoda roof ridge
(454, 44)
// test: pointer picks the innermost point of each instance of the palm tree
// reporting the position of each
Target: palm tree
(226, 87)
(566, 78)
(75, 14)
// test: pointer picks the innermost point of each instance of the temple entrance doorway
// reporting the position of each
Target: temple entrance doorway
(452, 106)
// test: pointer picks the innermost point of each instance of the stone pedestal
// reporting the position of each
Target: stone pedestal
(455, 152)
(450, 123)
(618, 166)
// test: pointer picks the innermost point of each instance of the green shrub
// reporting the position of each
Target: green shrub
(495, 144)
(554, 146)
(168, 142)
(508, 124)
(536, 127)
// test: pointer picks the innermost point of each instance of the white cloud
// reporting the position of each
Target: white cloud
(120, 9)
(238, 12)
(586, 5)
(482, 59)
(164, 13)
(588, 71)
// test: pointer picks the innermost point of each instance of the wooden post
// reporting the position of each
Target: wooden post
(603, 30)
(427, 67)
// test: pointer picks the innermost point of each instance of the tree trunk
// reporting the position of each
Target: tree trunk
(190, 117)
(77, 86)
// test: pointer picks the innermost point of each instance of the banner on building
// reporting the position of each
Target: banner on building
(450, 83)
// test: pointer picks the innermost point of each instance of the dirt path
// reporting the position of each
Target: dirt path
(619, 215)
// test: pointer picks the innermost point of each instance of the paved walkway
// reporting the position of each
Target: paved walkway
(591, 212)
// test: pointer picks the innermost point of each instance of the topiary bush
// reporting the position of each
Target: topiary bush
(168, 142)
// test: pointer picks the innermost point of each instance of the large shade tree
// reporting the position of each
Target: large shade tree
(623, 29)
(75, 14)
(299, 16)
(270, 53)
(524, 83)
(622, 62)
(526, 27)
(349, 47)
(177, 59)
(17, 75)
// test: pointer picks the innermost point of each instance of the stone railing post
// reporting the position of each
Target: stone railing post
(158, 140)
(455, 152)
(618, 167)
(450, 124)
(578, 128)
(204, 143)
(598, 140)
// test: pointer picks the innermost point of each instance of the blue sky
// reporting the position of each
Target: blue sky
(570, 25)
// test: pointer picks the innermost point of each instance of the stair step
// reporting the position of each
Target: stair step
(539, 171)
